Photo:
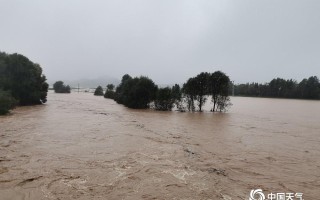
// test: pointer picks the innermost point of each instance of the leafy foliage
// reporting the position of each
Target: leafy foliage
(189, 91)
(110, 94)
(139, 92)
(59, 87)
(98, 91)
(164, 99)
(22, 79)
(218, 89)
(204, 84)
(201, 88)
(136, 92)
(281, 88)
(7, 102)
(176, 92)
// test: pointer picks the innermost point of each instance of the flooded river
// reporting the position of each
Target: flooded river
(79, 146)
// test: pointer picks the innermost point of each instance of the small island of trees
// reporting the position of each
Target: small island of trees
(60, 87)
(141, 92)
(21, 82)
(98, 91)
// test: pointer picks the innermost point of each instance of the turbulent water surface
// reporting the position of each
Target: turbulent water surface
(79, 146)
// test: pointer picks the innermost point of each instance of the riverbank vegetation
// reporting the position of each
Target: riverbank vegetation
(60, 87)
(136, 92)
(7, 102)
(98, 91)
(142, 92)
(308, 88)
(109, 94)
(21, 82)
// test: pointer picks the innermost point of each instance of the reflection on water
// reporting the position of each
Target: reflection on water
(79, 146)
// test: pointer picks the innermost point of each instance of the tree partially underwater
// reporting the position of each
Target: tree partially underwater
(21, 82)
(141, 92)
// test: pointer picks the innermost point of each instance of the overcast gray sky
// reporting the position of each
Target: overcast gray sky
(167, 40)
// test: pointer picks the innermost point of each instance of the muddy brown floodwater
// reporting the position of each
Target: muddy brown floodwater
(79, 146)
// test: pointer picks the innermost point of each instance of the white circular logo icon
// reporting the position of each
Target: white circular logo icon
(257, 195)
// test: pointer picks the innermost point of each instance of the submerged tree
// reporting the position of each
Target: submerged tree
(218, 88)
(164, 99)
(189, 91)
(201, 88)
(204, 84)
(122, 89)
(23, 79)
(141, 92)
(223, 103)
(110, 94)
(177, 97)
(98, 91)
(59, 87)
(136, 92)
(7, 102)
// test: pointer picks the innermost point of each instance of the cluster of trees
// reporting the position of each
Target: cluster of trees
(281, 88)
(135, 92)
(167, 98)
(21, 82)
(204, 84)
(60, 87)
(142, 92)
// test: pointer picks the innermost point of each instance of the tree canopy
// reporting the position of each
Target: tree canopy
(136, 92)
(98, 91)
(139, 92)
(204, 84)
(281, 88)
(218, 89)
(164, 99)
(110, 94)
(7, 102)
(60, 87)
(23, 79)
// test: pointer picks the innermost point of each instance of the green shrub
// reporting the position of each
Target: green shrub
(7, 102)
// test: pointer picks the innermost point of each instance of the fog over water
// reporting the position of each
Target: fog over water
(79, 146)
(167, 40)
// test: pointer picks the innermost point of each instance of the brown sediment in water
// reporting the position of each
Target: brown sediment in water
(79, 146)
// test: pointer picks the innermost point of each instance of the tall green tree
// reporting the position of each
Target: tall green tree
(313, 88)
(164, 99)
(122, 89)
(110, 94)
(190, 91)
(23, 79)
(201, 88)
(136, 92)
(7, 102)
(176, 92)
(110, 87)
(60, 87)
(218, 87)
(98, 91)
